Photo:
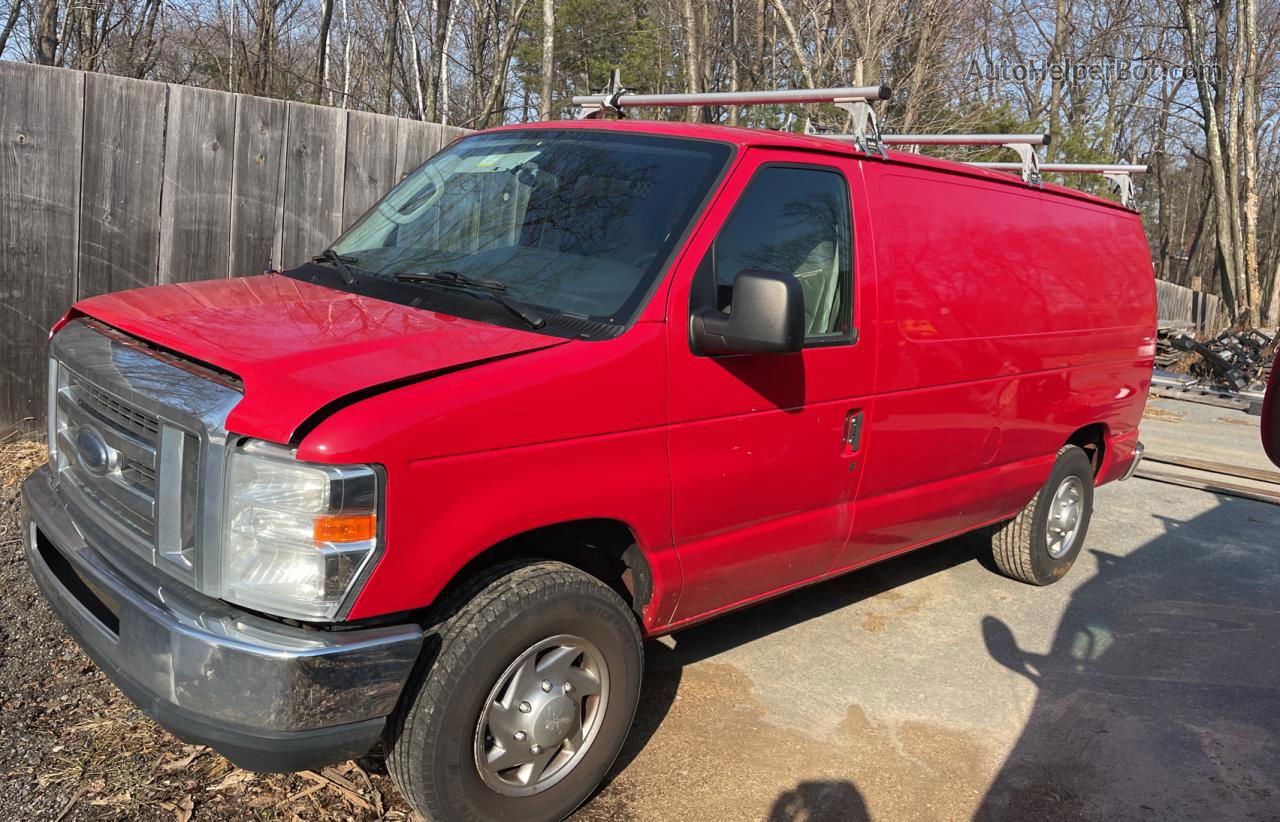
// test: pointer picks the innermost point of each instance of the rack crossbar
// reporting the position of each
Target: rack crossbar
(963, 140)
(1071, 168)
(1120, 175)
(625, 99)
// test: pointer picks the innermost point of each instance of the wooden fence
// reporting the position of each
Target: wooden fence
(1188, 308)
(109, 183)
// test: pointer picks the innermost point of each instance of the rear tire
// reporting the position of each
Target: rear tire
(1041, 543)
(526, 650)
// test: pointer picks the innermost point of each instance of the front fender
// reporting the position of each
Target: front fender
(447, 511)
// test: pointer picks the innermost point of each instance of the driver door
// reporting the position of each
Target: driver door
(766, 449)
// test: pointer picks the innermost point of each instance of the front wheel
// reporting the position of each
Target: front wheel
(528, 699)
(1042, 542)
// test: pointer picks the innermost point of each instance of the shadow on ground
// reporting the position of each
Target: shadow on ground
(1159, 698)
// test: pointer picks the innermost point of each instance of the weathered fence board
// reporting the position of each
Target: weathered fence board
(371, 163)
(195, 209)
(109, 183)
(257, 172)
(315, 148)
(1179, 305)
(41, 126)
(415, 142)
(120, 193)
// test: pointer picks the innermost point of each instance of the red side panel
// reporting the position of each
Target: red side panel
(1009, 319)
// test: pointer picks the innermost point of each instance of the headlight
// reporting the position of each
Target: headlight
(295, 534)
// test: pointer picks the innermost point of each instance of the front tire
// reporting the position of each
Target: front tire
(1041, 543)
(527, 701)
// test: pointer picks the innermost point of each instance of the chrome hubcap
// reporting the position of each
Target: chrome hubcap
(1065, 513)
(542, 715)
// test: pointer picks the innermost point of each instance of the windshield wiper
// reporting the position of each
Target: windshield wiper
(493, 288)
(339, 261)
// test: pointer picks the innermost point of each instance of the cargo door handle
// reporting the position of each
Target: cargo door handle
(853, 431)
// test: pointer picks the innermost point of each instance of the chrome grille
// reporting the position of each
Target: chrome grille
(137, 443)
(124, 491)
(118, 411)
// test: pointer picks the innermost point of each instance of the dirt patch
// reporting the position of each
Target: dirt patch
(730, 760)
(1153, 413)
(1251, 422)
(875, 622)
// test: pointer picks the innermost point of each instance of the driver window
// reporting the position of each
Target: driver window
(795, 221)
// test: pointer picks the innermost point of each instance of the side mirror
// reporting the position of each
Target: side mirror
(1271, 414)
(767, 317)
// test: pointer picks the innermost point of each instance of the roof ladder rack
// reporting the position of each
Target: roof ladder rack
(856, 100)
(1023, 144)
(1119, 174)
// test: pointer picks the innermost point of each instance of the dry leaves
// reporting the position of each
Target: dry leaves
(192, 751)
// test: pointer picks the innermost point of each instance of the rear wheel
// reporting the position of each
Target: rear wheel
(527, 701)
(1042, 542)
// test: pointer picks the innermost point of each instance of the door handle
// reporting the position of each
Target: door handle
(853, 431)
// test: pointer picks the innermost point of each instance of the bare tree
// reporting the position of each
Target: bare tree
(548, 58)
(47, 33)
(1217, 162)
(322, 47)
(12, 20)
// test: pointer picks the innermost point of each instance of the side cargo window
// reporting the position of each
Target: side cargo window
(793, 220)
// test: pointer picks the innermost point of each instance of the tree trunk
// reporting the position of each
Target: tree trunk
(346, 54)
(757, 54)
(265, 11)
(444, 71)
(793, 39)
(47, 33)
(502, 59)
(548, 57)
(322, 63)
(141, 64)
(391, 49)
(9, 24)
(1213, 141)
(1162, 198)
(438, 73)
(733, 57)
(1190, 274)
(1248, 21)
(1231, 155)
(692, 58)
(420, 108)
(1056, 50)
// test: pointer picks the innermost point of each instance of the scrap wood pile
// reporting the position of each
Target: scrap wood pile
(1235, 360)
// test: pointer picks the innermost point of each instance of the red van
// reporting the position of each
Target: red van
(570, 386)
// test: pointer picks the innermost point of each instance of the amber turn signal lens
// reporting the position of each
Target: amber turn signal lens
(346, 528)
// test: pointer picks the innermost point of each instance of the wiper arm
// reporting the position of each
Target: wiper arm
(493, 288)
(339, 261)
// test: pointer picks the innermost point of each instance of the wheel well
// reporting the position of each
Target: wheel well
(1093, 439)
(604, 548)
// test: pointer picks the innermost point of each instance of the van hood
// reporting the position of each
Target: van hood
(299, 347)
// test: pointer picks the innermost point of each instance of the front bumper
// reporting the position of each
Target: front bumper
(268, 696)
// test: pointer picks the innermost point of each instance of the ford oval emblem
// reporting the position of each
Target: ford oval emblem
(95, 456)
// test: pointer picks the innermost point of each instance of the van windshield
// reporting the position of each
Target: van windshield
(566, 222)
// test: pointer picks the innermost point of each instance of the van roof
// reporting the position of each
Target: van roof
(746, 137)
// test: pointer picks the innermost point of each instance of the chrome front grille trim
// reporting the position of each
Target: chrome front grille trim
(138, 445)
